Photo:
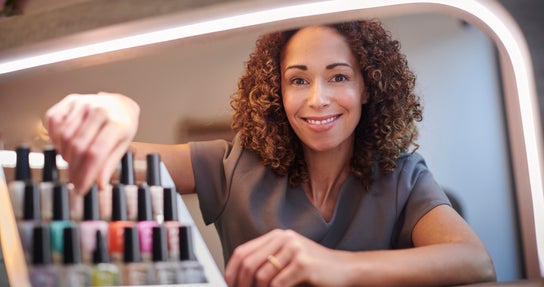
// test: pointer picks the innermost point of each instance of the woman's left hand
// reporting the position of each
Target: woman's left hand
(284, 258)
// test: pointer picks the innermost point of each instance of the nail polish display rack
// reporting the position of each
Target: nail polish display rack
(14, 268)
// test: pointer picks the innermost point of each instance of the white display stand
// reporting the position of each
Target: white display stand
(203, 255)
(14, 263)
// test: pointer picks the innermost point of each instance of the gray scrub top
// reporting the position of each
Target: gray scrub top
(245, 199)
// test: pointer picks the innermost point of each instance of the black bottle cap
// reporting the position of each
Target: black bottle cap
(185, 244)
(131, 251)
(160, 247)
(31, 204)
(50, 172)
(100, 253)
(22, 166)
(127, 168)
(170, 202)
(41, 245)
(144, 203)
(153, 169)
(61, 208)
(118, 203)
(90, 204)
(71, 247)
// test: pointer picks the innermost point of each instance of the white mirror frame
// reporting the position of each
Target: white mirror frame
(523, 118)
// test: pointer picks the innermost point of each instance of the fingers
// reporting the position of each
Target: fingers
(250, 257)
(275, 265)
(92, 132)
(81, 130)
(69, 127)
(292, 274)
(85, 167)
(264, 261)
(55, 119)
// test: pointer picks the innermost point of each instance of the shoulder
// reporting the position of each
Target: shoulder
(411, 171)
(228, 155)
(411, 162)
(219, 149)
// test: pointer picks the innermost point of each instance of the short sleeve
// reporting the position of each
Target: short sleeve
(210, 160)
(418, 193)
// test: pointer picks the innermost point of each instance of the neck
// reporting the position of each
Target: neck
(327, 171)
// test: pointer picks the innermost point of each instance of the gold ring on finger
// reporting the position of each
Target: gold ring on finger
(275, 262)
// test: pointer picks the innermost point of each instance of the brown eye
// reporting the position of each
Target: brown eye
(339, 78)
(298, 81)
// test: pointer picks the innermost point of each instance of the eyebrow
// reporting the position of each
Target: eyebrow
(328, 67)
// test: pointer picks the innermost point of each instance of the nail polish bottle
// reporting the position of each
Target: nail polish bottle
(145, 222)
(90, 224)
(118, 223)
(164, 271)
(189, 269)
(60, 220)
(41, 272)
(131, 189)
(171, 222)
(103, 273)
(153, 173)
(134, 271)
(73, 272)
(76, 202)
(16, 187)
(105, 202)
(31, 217)
(50, 177)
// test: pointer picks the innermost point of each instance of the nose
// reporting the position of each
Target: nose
(318, 96)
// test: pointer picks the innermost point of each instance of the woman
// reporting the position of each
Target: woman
(319, 186)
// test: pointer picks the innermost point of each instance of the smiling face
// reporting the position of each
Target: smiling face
(322, 88)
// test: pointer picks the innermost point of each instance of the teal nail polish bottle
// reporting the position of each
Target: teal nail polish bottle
(60, 220)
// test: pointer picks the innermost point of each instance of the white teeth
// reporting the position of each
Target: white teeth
(315, 122)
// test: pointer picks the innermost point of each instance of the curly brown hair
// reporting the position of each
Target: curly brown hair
(387, 125)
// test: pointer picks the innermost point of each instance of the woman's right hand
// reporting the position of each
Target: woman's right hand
(92, 133)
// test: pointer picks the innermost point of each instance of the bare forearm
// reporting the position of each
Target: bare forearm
(433, 265)
(176, 158)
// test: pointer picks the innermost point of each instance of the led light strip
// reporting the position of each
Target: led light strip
(180, 32)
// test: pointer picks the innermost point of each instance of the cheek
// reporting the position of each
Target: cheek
(289, 104)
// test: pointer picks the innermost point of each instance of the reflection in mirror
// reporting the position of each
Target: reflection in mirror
(463, 135)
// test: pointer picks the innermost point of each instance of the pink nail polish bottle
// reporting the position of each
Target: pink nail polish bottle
(145, 222)
(90, 224)
(131, 189)
(155, 186)
(76, 203)
(105, 202)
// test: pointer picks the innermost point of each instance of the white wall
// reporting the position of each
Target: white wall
(463, 133)
(462, 137)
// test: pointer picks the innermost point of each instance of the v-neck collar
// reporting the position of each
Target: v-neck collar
(324, 231)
